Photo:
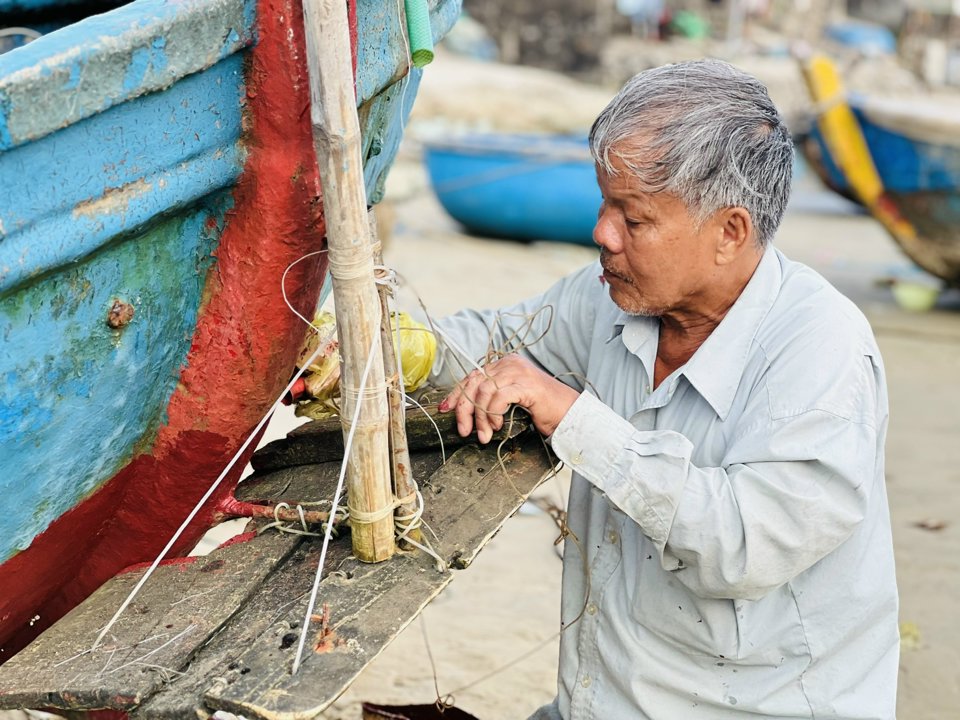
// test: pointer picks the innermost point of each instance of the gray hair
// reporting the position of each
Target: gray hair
(704, 132)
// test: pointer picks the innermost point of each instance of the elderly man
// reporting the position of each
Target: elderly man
(724, 412)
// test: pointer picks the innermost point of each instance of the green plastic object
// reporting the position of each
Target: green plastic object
(690, 25)
(418, 29)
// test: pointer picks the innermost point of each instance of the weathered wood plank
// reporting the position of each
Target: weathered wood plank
(265, 616)
(321, 441)
(468, 499)
(182, 605)
(306, 483)
(220, 631)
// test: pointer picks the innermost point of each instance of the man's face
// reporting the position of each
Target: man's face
(655, 258)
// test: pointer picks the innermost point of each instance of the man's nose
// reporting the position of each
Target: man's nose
(605, 233)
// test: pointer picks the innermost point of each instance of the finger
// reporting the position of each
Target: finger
(496, 421)
(465, 403)
(448, 403)
(453, 397)
(483, 412)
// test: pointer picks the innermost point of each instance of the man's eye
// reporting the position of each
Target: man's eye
(632, 223)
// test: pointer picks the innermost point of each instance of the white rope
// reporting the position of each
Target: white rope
(408, 523)
(401, 18)
(451, 343)
(348, 444)
(202, 501)
(443, 452)
(229, 466)
(283, 288)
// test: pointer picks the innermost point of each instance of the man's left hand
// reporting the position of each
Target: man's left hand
(482, 398)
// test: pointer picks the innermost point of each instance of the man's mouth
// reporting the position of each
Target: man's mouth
(609, 275)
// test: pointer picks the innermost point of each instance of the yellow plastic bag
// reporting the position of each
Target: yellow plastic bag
(417, 345)
(418, 348)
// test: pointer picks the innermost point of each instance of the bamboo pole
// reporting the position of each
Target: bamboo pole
(404, 485)
(336, 139)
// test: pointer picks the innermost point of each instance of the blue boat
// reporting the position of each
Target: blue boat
(157, 179)
(900, 158)
(524, 187)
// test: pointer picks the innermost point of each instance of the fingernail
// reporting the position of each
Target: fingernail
(443, 407)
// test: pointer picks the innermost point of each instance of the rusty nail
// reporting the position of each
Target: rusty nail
(120, 314)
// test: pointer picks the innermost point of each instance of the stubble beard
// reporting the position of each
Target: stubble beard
(632, 305)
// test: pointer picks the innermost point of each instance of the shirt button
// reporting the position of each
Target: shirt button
(612, 537)
(586, 681)
(648, 388)
(592, 609)
(577, 459)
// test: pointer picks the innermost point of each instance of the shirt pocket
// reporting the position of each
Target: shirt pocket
(694, 625)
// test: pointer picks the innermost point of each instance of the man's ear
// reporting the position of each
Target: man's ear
(735, 234)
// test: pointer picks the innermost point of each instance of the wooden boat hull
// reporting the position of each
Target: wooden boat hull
(161, 179)
(525, 187)
(920, 201)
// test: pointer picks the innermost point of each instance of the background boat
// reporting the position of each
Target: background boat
(520, 186)
(158, 178)
(899, 157)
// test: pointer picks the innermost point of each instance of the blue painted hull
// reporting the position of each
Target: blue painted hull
(517, 186)
(905, 164)
(921, 181)
(157, 177)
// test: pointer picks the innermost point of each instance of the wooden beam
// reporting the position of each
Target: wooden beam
(320, 441)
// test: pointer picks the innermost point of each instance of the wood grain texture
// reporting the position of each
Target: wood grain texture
(182, 605)
(220, 632)
(468, 499)
(320, 441)
(336, 139)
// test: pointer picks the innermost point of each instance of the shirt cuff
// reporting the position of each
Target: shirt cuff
(641, 473)
(590, 437)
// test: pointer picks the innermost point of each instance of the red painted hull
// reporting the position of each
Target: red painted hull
(242, 354)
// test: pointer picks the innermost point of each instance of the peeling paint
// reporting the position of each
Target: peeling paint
(155, 142)
(115, 200)
(112, 58)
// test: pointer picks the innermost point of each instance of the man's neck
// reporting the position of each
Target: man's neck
(684, 330)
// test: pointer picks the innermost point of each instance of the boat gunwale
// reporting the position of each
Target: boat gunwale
(918, 119)
(550, 149)
(106, 60)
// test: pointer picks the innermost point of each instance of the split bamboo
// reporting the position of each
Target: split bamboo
(403, 483)
(336, 138)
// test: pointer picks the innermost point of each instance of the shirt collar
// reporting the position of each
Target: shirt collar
(717, 366)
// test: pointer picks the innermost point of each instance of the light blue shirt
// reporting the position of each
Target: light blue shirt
(734, 519)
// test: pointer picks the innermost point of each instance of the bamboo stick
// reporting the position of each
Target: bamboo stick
(403, 483)
(336, 139)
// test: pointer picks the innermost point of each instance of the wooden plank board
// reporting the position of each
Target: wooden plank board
(468, 499)
(179, 608)
(274, 599)
(219, 632)
(306, 483)
(220, 659)
(321, 441)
